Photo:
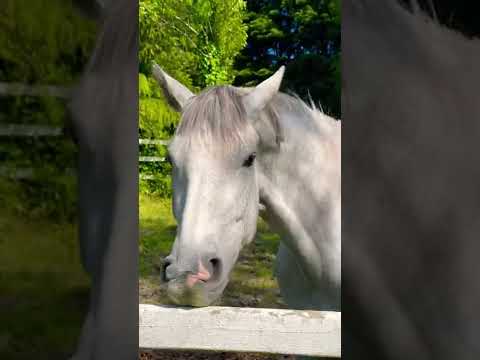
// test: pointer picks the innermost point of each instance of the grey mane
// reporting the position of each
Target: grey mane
(217, 117)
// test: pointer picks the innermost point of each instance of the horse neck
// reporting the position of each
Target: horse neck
(300, 187)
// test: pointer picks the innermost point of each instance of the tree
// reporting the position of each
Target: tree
(302, 34)
(195, 41)
(43, 46)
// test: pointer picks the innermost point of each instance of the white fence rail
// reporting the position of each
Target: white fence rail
(16, 130)
(310, 333)
(153, 142)
(18, 89)
(151, 159)
(20, 130)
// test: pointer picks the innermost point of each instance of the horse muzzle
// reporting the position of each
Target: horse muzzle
(198, 284)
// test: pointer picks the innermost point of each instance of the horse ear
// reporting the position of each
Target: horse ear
(176, 93)
(259, 97)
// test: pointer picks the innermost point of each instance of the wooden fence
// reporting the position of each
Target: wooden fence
(18, 89)
(16, 130)
(275, 331)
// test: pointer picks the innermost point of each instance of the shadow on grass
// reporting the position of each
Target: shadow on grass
(38, 325)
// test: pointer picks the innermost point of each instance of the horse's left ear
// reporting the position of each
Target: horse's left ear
(176, 93)
(259, 97)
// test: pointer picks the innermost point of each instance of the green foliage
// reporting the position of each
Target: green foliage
(157, 230)
(195, 41)
(46, 48)
(302, 34)
(222, 36)
(39, 46)
(51, 192)
(162, 41)
(156, 121)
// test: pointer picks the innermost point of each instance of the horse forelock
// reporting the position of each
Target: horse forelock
(216, 119)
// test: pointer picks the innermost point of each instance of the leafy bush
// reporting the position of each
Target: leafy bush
(49, 48)
(50, 191)
(156, 121)
(196, 43)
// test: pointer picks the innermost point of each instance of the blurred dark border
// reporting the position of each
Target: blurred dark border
(411, 198)
(69, 170)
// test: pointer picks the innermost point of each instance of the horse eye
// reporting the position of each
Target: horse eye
(249, 161)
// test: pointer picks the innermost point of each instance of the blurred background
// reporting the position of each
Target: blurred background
(44, 46)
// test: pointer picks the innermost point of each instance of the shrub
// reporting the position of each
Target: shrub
(156, 121)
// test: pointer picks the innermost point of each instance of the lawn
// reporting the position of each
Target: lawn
(43, 289)
(252, 282)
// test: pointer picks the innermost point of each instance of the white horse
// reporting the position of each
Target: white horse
(237, 148)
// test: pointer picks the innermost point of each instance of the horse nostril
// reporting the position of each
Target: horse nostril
(165, 264)
(215, 264)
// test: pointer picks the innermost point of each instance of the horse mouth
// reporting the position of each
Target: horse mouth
(200, 278)
(184, 296)
(202, 293)
(203, 275)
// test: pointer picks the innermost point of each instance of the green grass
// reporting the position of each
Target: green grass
(43, 289)
(252, 282)
(157, 231)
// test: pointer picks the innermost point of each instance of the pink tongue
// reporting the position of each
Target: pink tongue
(202, 274)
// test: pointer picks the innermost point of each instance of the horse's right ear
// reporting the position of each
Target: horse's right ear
(176, 93)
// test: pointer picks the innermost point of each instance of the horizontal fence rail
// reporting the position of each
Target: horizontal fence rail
(151, 159)
(29, 131)
(18, 89)
(146, 177)
(49, 131)
(153, 142)
(17, 174)
(21, 130)
(276, 331)
(27, 173)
